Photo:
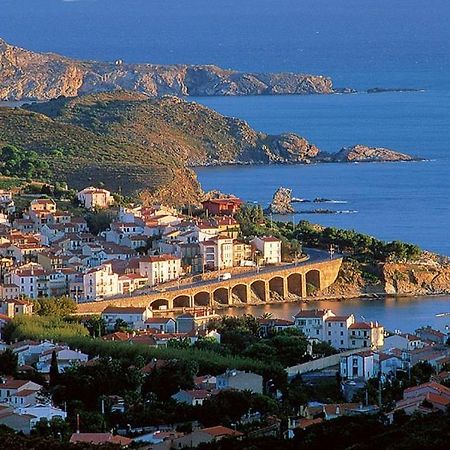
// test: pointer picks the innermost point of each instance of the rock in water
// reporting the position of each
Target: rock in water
(281, 202)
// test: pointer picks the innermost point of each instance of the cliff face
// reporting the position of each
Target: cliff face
(429, 276)
(26, 75)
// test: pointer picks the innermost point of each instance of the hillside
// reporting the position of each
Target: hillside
(27, 75)
(82, 157)
(169, 127)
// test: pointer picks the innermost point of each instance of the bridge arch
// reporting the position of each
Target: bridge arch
(312, 281)
(182, 301)
(220, 295)
(240, 293)
(295, 284)
(276, 287)
(156, 304)
(202, 298)
(258, 289)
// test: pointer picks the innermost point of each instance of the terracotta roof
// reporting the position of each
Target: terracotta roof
(219, 431)
(364, 325)
(439, 399)
(159, 258)
(100, 438)
(338, 318)
(159, 320)
(305, 423)
(25, 393)
(432, 385)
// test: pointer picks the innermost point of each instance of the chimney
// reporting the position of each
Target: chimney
(78, 424)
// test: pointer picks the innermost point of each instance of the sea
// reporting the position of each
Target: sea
(358, 43)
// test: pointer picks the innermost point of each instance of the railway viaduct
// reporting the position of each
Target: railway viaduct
(251, 287)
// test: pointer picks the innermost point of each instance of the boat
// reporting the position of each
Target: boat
(445, 314)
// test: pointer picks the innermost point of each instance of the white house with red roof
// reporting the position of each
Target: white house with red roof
(65, 357)
(100, 282)
(311, 322)
(92, 198)
(162, 324)
(160, 268)
(217, 252)
(366, 334)
(269, 247)
(336, 330)
(404, 341)
(19, 392)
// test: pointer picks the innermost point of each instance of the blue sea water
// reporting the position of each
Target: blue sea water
(359, 43)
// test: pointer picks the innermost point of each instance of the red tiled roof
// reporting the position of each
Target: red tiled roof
(219, 431)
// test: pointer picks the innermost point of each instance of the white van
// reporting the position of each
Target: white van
(225, 276)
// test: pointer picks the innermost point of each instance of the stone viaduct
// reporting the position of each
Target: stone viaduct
(251, 287)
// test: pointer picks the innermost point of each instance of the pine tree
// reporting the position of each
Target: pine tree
(54, 371)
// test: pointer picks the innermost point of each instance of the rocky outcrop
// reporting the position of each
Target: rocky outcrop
(26, 75)
(362, 153)
(430, 275)
(281, 202)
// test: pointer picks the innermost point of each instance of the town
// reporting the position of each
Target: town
(135, 295)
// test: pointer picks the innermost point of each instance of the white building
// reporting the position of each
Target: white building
(217, 252)
(92, 198)
(269, 247)
(336, 330)
(19, 392)
(100, 282)
(135, 317)
(403, 342)
(65, 357)
(312, 322)
(241, 381)
(160, 268)
(31, 280)
(363, 365)
(366, 334)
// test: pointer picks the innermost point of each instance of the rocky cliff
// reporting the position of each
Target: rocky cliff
(281, 202)
(27, 75)
(428, 276)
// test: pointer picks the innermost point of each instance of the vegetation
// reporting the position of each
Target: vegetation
(16, 162)
(43, 327)
(55, 306)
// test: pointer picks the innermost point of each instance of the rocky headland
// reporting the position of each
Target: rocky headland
(281, 202)
(429, 275)
(363, 153)
(27, 75)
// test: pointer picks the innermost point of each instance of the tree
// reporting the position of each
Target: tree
(8, 363)
(55, 306)
(121, 325)
(54, 370)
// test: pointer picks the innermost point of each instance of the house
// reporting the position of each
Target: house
(64, 356)
(197, 437)
(12, 308)
(194, 397)
(92, 198)
(100, 282)
(19, 392)
(312, 322)
(47, 205)
(430, 334)
(403, 342)
(424, 398)
(134, 317)
(269, 248)
(222, 206)
(41, 411)
(273, 325)
(337, 330)
(9, 291)
(242, 254)
(31, 279)
(160, 268)
(162, 324)
(389, 364)
(241, 381)
(100, 439)
(364, 365)
(217, 252)
(366, 334)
